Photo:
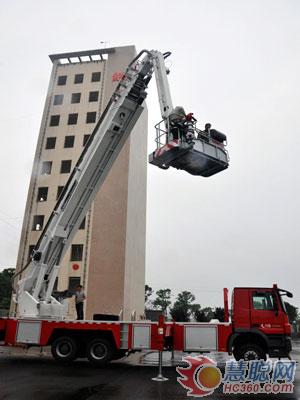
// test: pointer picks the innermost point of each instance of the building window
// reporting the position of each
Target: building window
(91, 117)
(50, 143)
(38, 222)
(72, 119)
(85, 139)
(78, 78)
(65, 166)
(58, 99)
(93, 96)
(59, 191)
(76, 252)
(69, 141)
(46, 167)
(73, 283)
(54, 120)
(30, 250)
(42, 194)
(82, 225)
(75, 98)
(96, 76)
(62, 80)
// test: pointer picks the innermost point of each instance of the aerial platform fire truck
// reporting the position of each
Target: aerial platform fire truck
(259, 323)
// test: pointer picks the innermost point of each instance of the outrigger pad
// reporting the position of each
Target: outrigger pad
(199, 158)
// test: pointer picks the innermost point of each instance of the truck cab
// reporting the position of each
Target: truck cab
(260, 323)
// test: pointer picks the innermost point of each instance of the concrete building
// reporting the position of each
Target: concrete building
(107, 255)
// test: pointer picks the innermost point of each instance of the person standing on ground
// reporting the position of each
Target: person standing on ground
(79, 299)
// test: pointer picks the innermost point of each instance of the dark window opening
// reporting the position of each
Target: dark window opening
(38, 222)
(65, 166)
(76, 252)
(30, 250)
(78, 78)
(58, 99)
(46, 167)
(59, 191)
(91, 117)
(73, 283)
(54, 120)
(85, 139)
(42, 194)
(69, 141)
(82, 225)
(93, 96)
(50, 143)
(72, 119)
(96, 76)
(62, 80)
(75, 98)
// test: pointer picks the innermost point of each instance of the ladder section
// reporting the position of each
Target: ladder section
(105, 144)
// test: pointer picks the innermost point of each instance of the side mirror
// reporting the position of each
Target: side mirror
(284, 292)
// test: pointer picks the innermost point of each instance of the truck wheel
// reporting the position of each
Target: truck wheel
(99, 351)
(64, 349)
(249, 351)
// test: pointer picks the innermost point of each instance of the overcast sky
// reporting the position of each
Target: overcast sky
(234, 63)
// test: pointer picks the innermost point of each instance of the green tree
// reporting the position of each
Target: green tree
(5, 287)
(183, 307)
(219, 314)
(178, 313)
(204, 314)
(148, 294)
(292, 312)
(163, 299)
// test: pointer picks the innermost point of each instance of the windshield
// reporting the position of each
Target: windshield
(280, 294)
(282, 303)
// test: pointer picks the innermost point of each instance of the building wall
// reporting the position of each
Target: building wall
(113, 264)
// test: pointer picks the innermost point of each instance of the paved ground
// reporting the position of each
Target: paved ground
(35, 377)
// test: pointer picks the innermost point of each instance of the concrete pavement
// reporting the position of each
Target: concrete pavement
(35, 376)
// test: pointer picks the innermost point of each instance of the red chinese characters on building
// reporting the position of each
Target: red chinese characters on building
(117, 76)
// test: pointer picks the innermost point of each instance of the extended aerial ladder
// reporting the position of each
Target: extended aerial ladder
(197, 152)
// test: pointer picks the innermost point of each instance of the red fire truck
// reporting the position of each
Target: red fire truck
(259, 326)
(259, 323)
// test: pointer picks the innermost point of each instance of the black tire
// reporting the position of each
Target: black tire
(64, 349)
(249, 351)
(99, 351)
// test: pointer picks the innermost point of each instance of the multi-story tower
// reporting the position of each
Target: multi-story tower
(107, 254)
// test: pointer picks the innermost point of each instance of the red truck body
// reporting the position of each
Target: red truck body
(259, 326)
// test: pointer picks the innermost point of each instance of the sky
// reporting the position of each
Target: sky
(235, 64)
